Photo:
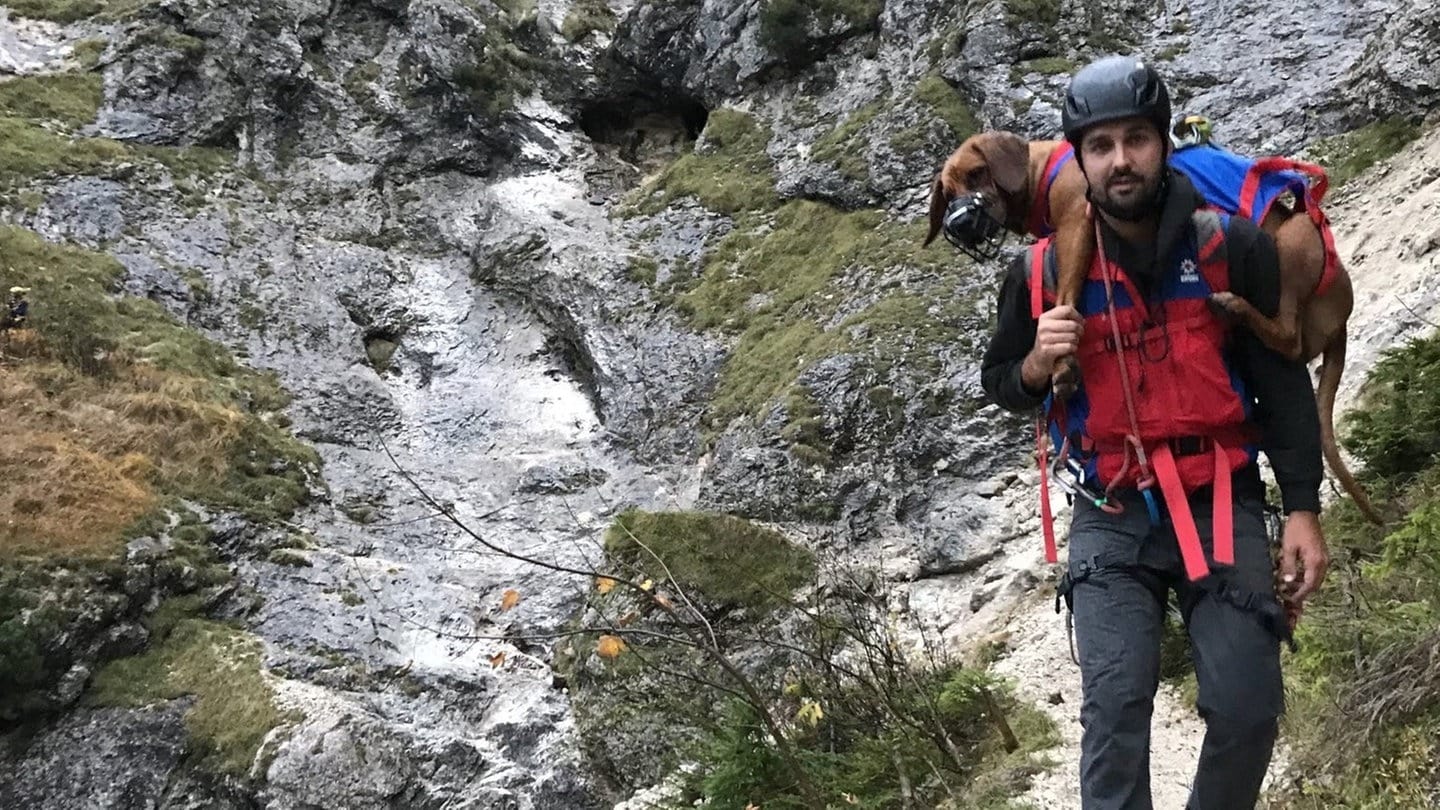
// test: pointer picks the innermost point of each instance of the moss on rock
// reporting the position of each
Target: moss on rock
(218, 665)
(1349, 154)
(713, 557)
(729, 171)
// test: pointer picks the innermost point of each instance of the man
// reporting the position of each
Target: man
(18, 309)
(1196, 396)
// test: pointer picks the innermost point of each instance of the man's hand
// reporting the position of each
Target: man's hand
(1303, 559)
(1057, 335)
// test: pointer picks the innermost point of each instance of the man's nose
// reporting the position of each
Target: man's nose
(1122, 157)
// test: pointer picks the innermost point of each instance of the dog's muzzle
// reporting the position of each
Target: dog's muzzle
(970, 227)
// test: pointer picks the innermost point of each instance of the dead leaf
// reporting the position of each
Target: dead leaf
(647, 584)
(664, 601)
(497, 659)
(628, 619)
(749, 806)
(604, 585)
(610, 647)
(809, 712)
(510, 599)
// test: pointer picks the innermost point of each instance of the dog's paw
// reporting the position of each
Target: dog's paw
(1227, 303)
(1065, 379)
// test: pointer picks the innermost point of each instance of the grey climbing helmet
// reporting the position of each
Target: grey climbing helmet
(1112, 88)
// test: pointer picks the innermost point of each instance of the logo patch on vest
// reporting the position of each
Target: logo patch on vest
(1189, 272)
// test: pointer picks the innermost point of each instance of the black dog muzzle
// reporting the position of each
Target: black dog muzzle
(970, 226)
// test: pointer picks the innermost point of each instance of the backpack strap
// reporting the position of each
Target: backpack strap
(1213, 253)
(1043, 274)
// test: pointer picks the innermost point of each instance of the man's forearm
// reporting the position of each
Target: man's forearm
(1290, 425)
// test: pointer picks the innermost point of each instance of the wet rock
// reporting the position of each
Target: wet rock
(455, 233)
(130, 755)
(560, 480)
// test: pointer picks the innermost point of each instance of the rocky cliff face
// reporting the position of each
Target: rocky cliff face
(557, 259)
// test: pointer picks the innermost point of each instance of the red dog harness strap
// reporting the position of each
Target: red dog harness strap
(1309, 202)
(1038, 223)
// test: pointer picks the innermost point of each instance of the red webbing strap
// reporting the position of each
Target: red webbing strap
(1038, 222)
(1037, 278)
(1222, 509)
(1332, 254)
(1047, 518)
(1188, 537)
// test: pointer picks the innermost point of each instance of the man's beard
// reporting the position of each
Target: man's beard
(1135, 205)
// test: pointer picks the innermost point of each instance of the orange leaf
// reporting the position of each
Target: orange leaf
(610, 646)
(510, 599)
(604, 585)
(497, 659)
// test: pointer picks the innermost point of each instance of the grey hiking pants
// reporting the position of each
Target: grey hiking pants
(1120, 570)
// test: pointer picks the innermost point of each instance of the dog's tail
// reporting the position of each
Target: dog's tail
(1332, 366)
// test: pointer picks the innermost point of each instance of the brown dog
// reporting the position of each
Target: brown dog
(1009, 170)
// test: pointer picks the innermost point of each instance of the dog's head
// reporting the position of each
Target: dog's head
(996, 164)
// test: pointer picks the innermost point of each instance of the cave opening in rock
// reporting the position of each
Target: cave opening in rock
(644, 130)
(380, 346)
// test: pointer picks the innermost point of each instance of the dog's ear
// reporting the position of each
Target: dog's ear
(1008, 157)
(938, 203)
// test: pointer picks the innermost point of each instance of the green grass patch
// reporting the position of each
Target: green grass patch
(170, 38)
(1045, 13)
(217, 664)
(774, 283)
(359, 80)
(1172, 51)
(38, 116)
(1364, 716)
(948, 104)
(718, 557)
(28, 152)
(845, 145)
(88, 52)
(732, 173)
(788, 28)
(587, 16)
(503, 70)
(69, 11)
(69, 100)
(1045, 66)
(642, 269)
(805, 431)
(1348, 154)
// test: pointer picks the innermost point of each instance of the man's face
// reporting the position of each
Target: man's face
(1124, 162)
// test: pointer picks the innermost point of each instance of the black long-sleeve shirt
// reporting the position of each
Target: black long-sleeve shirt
(1284, 401)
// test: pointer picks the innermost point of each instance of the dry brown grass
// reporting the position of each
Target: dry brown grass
(83, 458)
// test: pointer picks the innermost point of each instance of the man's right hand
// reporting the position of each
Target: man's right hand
(1057, 335)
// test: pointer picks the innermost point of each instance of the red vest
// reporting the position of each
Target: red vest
(1190, 408)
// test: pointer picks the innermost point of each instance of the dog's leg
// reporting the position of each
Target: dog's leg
(1302, 260)
(1074, 250)
(1280, 334)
